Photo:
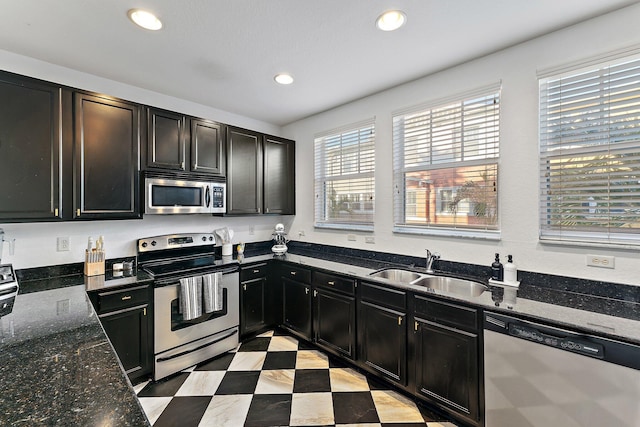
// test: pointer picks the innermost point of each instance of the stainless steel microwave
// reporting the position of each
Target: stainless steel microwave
(182, 195)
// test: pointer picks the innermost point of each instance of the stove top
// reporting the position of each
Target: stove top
(178, 255)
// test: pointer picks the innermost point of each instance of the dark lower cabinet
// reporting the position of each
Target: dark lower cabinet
(30, 149)
(126, 317)
(253, 299)
(128, 331)
(383, 341)
(446, 343)
(296, 302)
(382, 331)
(334, 322)
(106, 153)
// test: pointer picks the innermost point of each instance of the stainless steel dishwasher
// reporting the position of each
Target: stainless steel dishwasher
(536, 375)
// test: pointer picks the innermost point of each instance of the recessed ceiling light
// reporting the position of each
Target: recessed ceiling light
(283, 78)
(145, 19)
(391, 20)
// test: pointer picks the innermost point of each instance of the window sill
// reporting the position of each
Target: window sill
(448, 232)
(346, 227)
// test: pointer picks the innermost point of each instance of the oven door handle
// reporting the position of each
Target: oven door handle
(230, 334)
(173, 280)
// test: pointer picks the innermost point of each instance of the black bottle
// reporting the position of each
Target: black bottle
(497, 271)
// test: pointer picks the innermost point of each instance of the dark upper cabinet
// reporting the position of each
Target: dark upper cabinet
(269, 187)
(166, 140)
(106, 148)
(181, 143)
(279, 176)
(30, 149)
(244, 171)
(207, 147)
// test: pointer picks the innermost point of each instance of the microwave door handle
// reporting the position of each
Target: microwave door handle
(207, 196)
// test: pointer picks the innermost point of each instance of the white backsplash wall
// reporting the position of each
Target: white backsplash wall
(35, 243)
(516, 68)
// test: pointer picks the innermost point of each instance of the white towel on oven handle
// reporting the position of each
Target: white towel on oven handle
(212, 284)
(191, 297)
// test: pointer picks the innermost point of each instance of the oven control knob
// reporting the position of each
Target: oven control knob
(210, 238)
(144, 244)
(153, 243)
(204, 239)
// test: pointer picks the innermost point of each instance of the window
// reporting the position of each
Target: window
(590, 154)
(344, 177)
(446, 166)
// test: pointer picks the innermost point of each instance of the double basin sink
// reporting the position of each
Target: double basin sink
(451, 285)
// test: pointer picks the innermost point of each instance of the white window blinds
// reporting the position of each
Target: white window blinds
(590, 154)
(446, 165)
(344, 177)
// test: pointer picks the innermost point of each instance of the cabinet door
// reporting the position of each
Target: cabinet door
(128, 331)
(244, 171)
(279, 176)
(30, 149)
(297, 307)
(383, 345)
(207, 147)
(447, 367)
(335, 322)
(106, 153)
(252, 302)
(165, 140)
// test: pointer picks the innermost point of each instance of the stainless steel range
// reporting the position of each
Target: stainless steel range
(196, 300)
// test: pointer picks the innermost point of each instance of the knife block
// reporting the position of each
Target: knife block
(94, 263)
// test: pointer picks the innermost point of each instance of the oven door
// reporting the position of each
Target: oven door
(171, 331)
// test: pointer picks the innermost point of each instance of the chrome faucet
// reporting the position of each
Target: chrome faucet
(431, 257)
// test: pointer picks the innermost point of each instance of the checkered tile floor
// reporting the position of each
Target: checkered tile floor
(275, 380)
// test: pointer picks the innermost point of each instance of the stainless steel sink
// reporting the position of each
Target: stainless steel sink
(453, 285)
(397, 275)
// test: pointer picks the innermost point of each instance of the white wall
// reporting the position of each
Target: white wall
(36, 242)
(518, 170)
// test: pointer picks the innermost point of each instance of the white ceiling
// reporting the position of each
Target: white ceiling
(224, 54)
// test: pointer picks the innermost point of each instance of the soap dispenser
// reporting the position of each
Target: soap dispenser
(510, 271)
(497, 270)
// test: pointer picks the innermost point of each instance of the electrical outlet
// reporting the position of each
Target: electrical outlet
(602, 261)
(370, 239)
(63, 244)
(252, 230)
(351, 237)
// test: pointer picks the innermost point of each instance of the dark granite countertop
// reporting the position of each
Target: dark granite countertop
(607, 317)
(57, 366)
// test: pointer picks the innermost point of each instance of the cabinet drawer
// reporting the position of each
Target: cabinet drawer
(298, 274)
(330, 281)
(453, 315)
(253, 272)
(122, 298)
(387, 297)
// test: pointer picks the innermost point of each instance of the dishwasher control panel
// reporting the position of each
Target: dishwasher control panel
(573, 344)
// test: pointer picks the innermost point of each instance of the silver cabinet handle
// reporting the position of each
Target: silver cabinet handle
(293, 273)
(331, 283)
(306, 291)
(256, 271)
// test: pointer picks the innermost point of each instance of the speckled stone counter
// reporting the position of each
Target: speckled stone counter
(591, 313)
(57, 366)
